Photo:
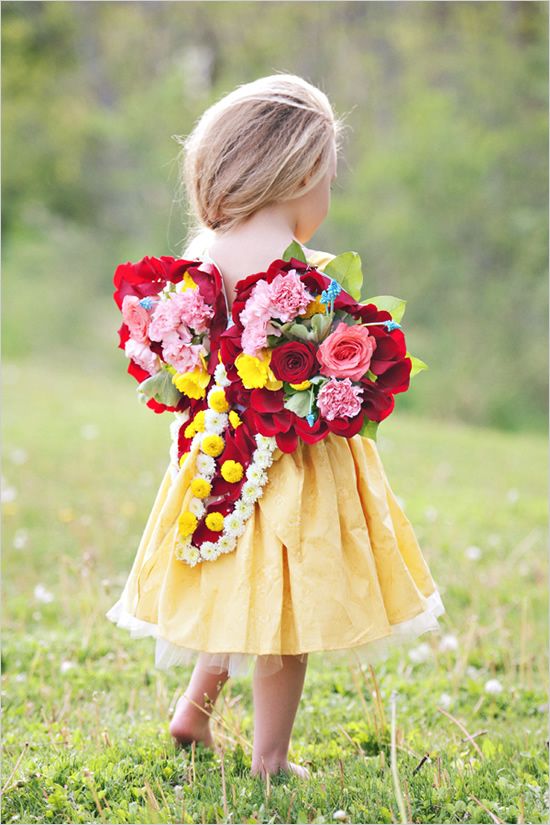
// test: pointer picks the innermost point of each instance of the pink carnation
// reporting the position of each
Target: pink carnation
(164, 321)
(136, 318)
(255, 318)
(192, 309)
(337, 399)
(182, 355)
(289, 296)
(142, 355)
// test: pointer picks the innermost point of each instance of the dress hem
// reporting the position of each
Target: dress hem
(238, 663)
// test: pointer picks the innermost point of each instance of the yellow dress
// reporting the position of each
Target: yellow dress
(328, 563)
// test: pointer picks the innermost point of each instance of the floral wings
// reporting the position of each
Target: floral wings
(174, 312)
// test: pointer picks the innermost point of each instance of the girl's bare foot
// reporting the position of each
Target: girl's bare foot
(285, 767)
(186, 728)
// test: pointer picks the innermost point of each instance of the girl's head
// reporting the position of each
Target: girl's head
(273, 140)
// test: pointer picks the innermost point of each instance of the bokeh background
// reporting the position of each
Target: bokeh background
(443, 190)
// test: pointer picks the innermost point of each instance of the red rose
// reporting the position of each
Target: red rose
(294, 361)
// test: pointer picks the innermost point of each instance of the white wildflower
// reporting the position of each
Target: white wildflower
(89, 431)
(493, 686)
(512, 495)
(21, 538)
(448, 642)
(431, 513)
(420, 653)
(472, 552)
(66, 665)
(445, 700)
(43, 595)
(18, 455)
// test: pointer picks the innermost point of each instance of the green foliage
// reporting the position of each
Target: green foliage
(294, 250)
(393, 305)
(346, 269)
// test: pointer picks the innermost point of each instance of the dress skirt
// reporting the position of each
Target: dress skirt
(328, 563)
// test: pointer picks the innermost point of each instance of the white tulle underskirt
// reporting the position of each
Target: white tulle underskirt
(168, 654)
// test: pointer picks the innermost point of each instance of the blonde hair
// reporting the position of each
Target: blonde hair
(253, 147)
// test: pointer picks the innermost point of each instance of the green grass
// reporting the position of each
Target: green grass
(88, 741)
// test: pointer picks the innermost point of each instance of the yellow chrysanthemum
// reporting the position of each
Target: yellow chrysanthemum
(217, 401)
(198, 421)
(190, 430)
(200, 487)
(234, 419)
(232, 470)
(313, 308)
(304, 385)
(193, 383)
(212, 444)
(187, 523)
(183, 459)
(214, 521)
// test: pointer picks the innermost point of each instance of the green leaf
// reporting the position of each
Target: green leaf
(294, 250)
(346, 269)
(161, 388)
(369, 428)
(393, 305)
(298, 403)
(299, 331)
(417, 364)
(320, 324)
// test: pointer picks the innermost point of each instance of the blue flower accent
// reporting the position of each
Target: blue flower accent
(310, 418)
(330, 293)
(390, 325)
(146, 303)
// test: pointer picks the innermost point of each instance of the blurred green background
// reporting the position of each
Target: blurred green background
(442, 185)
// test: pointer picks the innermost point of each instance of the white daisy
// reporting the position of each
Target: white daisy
(209, 550)
(243, 509)
(251, 492)
(256, 474)
(233, 525)
(214, 421)
(265, 440)
(226, 543)
(196, 506)
(220, 375)
(206, 465)
(262, 459)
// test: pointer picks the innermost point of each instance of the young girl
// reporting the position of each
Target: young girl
(329, 562)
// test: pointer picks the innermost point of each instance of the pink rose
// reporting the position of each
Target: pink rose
(142, 355)
(136, 318)
(347, 352)
(289, 296)
(337, 399)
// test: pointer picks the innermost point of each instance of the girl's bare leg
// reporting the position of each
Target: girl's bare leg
(189, 722)
(276, 699)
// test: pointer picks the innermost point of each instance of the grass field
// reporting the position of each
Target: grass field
(85, 712)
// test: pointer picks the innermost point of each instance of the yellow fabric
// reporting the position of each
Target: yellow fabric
(328, 560)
